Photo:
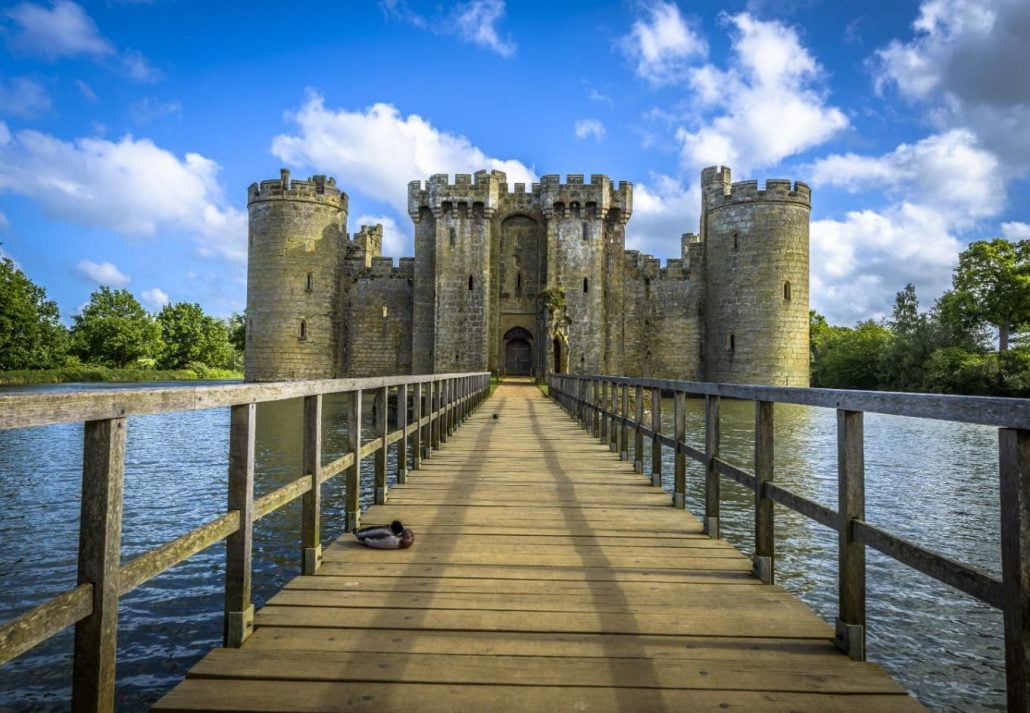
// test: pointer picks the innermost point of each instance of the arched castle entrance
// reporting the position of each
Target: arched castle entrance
(518, 352)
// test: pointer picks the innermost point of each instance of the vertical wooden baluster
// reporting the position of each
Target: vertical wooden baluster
(416, 435)
(764, 524)
(624, 422)
(656, 442)
(638, 434)
(442, 406)
(311, 505)
(679, 480)
(382, 421)
(850, 628)
(100, 535)
(434, 416)
(402, 424)
(613, 428)
(353, 474)
(239, 611)
(1014, 451)
(594, 410)
(711, 474)
(603, 412)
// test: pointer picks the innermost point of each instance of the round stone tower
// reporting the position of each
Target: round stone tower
(756, 280)
(296, 246)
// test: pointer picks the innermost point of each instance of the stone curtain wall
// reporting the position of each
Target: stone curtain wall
(378, 317)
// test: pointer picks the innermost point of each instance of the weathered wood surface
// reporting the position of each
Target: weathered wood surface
(545, 575)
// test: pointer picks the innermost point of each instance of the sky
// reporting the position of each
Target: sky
(130, 129)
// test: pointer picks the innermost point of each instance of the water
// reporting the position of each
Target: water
(175, 480)
(933, 482)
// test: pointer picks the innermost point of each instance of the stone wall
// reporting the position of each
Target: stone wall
(378, 317)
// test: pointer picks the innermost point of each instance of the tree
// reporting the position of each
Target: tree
(851, 357)
(237, 326)
(114, 330)
(190, 336)
(31, 337)
(992, 285)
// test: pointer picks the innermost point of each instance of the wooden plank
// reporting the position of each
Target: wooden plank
(335, 697)
(765, 539)
(311, 506)
(40, 623)
(742, 570)
(352, 489)
(1014, 457)
(100, 531)
(851, 590)
(239, 612)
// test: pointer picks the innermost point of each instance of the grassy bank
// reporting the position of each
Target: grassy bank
(79, 374)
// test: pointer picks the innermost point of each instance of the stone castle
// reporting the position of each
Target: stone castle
(528, 282)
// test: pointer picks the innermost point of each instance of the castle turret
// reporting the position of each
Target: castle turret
(296, 246)
(756, 280)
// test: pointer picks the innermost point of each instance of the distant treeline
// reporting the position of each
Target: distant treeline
(113, 338)
(949, 348)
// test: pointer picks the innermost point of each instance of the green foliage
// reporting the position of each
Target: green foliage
(850, 358)
(114, 330)
(237, 326)
(31, 337)
(80, 373)
(992, 285)
(191, 337)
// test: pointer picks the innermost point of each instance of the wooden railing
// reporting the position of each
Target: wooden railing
(602, 405)
(439, 402)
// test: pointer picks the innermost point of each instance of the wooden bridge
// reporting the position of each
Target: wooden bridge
(545, 575)
(547, 572)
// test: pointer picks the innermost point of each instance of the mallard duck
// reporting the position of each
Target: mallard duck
(386, 537)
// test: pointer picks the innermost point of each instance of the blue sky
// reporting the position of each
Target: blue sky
(129, 131)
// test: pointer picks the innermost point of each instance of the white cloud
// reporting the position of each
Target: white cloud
(23, 97)
(148, 109)
(474, 22)
(86, 90)
(5, 224)
(377, 152)
(1015, 231)
(155, 298)
(948, 172)
(396, 242)
(103, 273)
(860, 263)
(769, 100)
(967, 61)
(662, 211)
(62, 30)
(586, 128)
(663, 44)
(130, 186)
(137, 67)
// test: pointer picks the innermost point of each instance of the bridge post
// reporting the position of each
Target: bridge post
(402, 423)
(445, 400)
(1014, 447)
(850, 626)
(100, 535)
(382, 419)
(352, 496)
(624, 422)
(311, 505)
(613, 427)
(603, 412)
(595, 414)
(679, 482)
(638, 433)
(434, 418)
(239, 611)
(656, 443)
(764, 523)
(416, 435)
(711, 473)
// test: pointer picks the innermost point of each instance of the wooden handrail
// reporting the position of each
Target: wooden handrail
(92, 606)
(586, 398)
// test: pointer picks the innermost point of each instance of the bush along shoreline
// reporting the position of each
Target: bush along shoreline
(102, 374)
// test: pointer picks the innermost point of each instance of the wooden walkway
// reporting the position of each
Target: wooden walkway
(545, 576)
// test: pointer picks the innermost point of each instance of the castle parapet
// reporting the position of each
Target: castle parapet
(439, 196)
(719, 191)
(599, 198)
(316, 189)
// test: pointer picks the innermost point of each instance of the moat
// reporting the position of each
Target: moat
(942, 494)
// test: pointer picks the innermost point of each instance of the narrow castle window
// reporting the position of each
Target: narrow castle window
(586, 232)
(586, 284)
(575, 209)
(309, 283)
(731, 344)
(736, 242)
(454, 237)
(303, 329)
(786, 291)
(471, 282)
(518, 280)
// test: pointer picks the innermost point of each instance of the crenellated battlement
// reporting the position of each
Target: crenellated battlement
(486, 189)
(383, 267)
(316, 189)
(718, 190)
(640, 265)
